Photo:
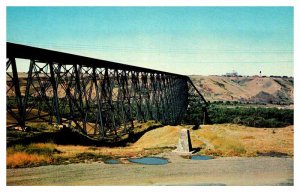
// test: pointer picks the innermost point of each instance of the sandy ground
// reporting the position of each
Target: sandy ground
(180, 171)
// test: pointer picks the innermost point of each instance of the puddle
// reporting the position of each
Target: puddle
(200, 157)
(149, 160)
(112, 161)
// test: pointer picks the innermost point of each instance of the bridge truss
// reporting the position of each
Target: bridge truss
(98, 97)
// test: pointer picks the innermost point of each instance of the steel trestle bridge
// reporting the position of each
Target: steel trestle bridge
(99, 98)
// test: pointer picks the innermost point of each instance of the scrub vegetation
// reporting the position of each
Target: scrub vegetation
(252, 116)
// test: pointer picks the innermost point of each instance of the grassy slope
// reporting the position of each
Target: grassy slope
(235, 140)
(224, 140)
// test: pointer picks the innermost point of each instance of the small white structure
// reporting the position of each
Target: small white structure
(184, 143)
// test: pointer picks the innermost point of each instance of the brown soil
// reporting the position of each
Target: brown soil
(252, 89)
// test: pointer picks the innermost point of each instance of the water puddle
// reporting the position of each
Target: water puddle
(201, 157)
(149, 160)
(112, 161)
(198, 157)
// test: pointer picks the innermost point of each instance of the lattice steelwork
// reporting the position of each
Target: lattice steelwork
(101, 98)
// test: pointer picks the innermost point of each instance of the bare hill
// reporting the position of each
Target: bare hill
(276, 90)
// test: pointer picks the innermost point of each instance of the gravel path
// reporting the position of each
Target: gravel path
(180, 171)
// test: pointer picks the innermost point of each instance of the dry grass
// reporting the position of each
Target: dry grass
(166, 136)
(235, 140)
(225, 140)
(23, 159)
(30, 155)
(44, 145)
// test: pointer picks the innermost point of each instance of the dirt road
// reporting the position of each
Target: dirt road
(180, 171)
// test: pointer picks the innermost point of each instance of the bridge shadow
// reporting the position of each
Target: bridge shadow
(132, 138)
(69, 136)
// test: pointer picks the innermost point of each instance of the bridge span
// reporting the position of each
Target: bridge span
(98, 97)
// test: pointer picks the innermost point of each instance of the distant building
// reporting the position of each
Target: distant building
(232, 74)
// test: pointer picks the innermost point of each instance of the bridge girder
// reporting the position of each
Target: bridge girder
(99, 97)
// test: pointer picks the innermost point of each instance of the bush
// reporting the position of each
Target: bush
(251, 116)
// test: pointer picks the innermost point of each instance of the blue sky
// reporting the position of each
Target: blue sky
(185, 40)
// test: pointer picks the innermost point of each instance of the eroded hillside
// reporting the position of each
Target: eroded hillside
(246, 89)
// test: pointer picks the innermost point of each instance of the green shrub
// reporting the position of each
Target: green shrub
(252, 116)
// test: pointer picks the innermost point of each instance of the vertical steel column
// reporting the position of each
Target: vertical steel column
(163, 99)
(153, 97)
(77, 80)
(135, 90)
(121, 98)
(160, 99)
(168, 98)
(18, 95)
(29, 81)
(128, 96)
(55, 95)
(109, 100)
(139, 91)
(98, 97)
(147, 98)
(173, 99)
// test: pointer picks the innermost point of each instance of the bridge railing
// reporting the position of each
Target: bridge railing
(101, 98)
